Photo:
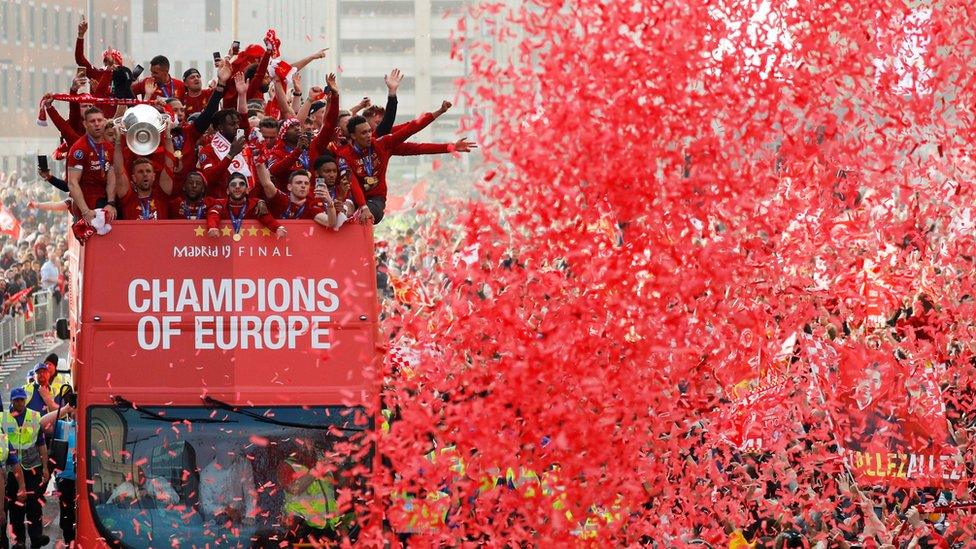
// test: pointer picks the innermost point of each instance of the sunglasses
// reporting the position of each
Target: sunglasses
(237, 183)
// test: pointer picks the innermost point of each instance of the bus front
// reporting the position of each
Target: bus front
(214, 375)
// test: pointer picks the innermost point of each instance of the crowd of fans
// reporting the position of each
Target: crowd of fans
(34, 261)
(254, 143)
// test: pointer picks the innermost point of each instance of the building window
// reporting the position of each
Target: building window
(125, 35)
(31, 91)
(4, 88)
(150, 15)
(30, 23)
(103, 36)
(18, 85)
(69, 30)
(43, 19)
(212, 19)
(15, 18)
(56, 27)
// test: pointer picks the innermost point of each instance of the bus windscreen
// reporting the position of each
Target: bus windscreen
(222, 477)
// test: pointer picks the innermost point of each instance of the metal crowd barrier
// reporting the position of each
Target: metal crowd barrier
(14, 331)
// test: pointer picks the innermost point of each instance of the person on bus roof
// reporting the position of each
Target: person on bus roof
(139, 196)
(296, 204)
(192, 203)
(237, 207)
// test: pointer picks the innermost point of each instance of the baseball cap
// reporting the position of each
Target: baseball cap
(189, 71)
(40, 367)
(18, 392)
(316, 106)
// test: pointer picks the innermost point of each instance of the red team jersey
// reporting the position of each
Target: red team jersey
(174, 88)
(198, 103)
(94, 160)
(224, 210)
(283, 160)
(282, 207)
(179, 208)
(101, 79)
(152, 207)
(369, 165)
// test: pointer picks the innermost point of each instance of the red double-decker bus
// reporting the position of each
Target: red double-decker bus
(194, 356)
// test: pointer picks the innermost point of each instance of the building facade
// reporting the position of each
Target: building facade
(37, 42)
(366, 39)
(189, 31)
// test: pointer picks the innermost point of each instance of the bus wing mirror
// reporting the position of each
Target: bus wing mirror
(61, 329)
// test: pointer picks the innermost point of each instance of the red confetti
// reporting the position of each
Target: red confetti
(673, 318)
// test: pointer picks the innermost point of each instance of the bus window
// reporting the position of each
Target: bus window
(204, 476)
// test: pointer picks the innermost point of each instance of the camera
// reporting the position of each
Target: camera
(68, 396)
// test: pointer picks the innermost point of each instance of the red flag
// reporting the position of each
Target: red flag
(28, 309)
(417, 193)
(395, 204)
(9, 224)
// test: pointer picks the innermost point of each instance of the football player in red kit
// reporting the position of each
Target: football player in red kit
(195, 96)
(226, 153)
(296, 204)
(160, 83)
(192, 204)
(147, 201)
(187, 133)
(91, 180)
(368, 158)
(101, 79)
(237, 207)
(290, 152)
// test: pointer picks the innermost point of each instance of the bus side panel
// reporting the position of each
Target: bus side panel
(177, 310)
(80, 354)
(126, 346)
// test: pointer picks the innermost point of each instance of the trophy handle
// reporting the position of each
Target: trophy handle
(117, 122)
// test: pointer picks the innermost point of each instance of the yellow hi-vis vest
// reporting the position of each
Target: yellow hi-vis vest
(56, 385)
(5, 420)
(24, 436)
(317, 505)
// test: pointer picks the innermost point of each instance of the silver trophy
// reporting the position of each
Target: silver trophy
(142, 125)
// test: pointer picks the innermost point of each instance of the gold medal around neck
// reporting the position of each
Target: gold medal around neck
(237, 237)
(371, 181)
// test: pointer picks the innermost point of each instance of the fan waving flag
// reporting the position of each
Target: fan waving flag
(9, 224)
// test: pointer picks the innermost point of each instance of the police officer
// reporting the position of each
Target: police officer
(27, 440)
(9, 464)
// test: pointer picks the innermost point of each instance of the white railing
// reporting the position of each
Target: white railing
(14, 331)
